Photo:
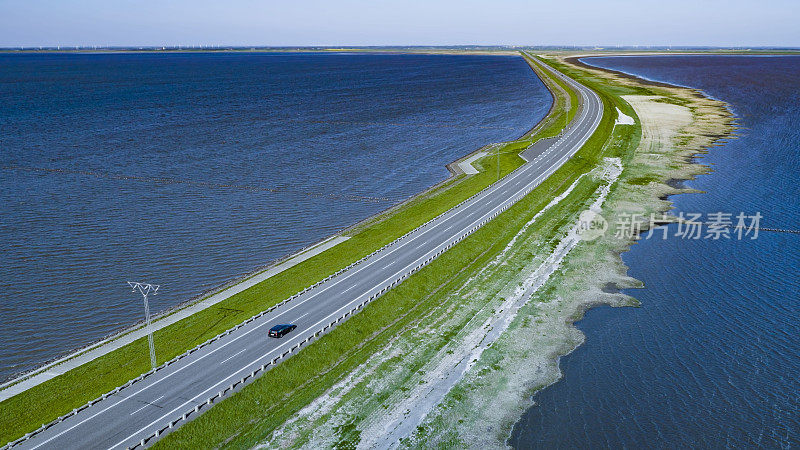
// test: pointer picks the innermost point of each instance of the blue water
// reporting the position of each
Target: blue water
(186, 170)
(712, 357)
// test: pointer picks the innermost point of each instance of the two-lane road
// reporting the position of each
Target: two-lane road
(134, 413)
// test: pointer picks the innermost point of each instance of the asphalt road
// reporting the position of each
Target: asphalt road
(124, 418)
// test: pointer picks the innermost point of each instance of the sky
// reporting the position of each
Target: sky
(32, 23)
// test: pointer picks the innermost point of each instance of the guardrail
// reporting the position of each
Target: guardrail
(259, 370)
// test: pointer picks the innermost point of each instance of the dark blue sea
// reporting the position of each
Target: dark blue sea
(186, 170)
(711, 359)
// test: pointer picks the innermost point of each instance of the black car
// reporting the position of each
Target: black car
(279, 331)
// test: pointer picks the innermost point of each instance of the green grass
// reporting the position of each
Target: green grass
(43, 403)
(249, 416)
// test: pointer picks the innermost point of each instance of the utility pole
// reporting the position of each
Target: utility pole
(147, 289)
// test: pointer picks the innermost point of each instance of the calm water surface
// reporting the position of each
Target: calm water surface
(712, 357)
(186, 170)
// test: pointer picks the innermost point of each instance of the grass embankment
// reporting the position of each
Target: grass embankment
(43, 403)
(251, 415)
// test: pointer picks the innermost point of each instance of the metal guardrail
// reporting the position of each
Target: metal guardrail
(274, 361)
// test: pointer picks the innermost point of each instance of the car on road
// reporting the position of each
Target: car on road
(279, 331)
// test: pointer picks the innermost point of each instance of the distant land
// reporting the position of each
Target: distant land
(455, 49)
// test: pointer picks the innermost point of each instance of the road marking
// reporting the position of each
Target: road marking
(233, 356)
(145, 406)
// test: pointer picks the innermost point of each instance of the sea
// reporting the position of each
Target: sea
(711, 358)
(188, 170)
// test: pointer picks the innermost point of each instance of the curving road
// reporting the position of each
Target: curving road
(127, 417)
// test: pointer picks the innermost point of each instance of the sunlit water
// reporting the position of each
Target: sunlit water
(186, 170)
(712, 357)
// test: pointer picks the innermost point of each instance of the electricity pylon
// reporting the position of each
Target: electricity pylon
(147, 289)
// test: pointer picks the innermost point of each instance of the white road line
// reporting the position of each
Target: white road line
(233, 356)
(145, 406)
